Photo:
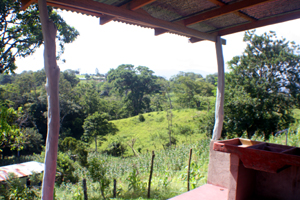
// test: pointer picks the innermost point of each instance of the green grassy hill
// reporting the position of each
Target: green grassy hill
(152, 134)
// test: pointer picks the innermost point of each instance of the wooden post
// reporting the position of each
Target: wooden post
(188, 173)
(219, 112)
(115, 188)
(52, 78)
(84, 189)
(286, 136)
(151, 171)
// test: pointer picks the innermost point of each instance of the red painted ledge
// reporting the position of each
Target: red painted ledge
(205, 192)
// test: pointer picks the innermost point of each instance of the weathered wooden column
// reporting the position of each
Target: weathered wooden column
(219, 112)
(52, 77)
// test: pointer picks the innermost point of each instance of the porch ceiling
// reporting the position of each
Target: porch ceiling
(196, 19)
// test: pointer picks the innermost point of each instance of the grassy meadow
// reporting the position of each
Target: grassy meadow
(152, 134)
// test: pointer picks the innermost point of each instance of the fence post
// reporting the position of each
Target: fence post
(115, 188)
(84, 189)
(151, 171)
(188, 173)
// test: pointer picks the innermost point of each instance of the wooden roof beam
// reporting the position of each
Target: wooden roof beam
(194, 40)
(136, 4)
(159, 31)
(239, 13)
(132, 5)
(222, 11)
(261, 23)
(26, 3)
(90, 6)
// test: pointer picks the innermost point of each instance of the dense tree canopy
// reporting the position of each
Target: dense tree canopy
(190, 92)
(263, 85)
(134, 83)
(21, 32)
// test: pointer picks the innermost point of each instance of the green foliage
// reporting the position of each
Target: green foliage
(97, 171)
(141, 118)
(185, 130)
(14, 189)
(115, 149)
(172, 141)
(76, 147)
(190, 92)
(263, 86)
(135, 183)
(212, 78)
(206, 123)
(97, 124)
(33, 142)
(66, 168)
(134, 83)
(11, 136)
(21, 32)
(191, 75)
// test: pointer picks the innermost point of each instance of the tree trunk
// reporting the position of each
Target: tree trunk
(219, 113)
(96, 143)
(52, 77)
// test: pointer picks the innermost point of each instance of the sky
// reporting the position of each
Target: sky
(108, 46)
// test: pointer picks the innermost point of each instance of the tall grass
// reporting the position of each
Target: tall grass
(169, 175)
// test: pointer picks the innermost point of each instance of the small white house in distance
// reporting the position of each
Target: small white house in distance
(21, 170)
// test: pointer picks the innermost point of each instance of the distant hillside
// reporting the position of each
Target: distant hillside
(153, 133)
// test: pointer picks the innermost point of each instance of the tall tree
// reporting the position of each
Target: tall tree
(21, 33)
(189, 91)
(134, 83)
(96, 125)
(263, 85)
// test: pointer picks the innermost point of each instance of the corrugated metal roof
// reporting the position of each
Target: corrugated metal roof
(21, 170)
(202, 19)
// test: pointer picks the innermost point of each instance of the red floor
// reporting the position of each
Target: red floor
(205, 192)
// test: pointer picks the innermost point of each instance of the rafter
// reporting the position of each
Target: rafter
(136, 4)
(159, 31)
(26, 3)
(217, 2)
(222, 11)
(90, 7)
(260, 23)
(239, 13)
(132, 5)
(195, 40)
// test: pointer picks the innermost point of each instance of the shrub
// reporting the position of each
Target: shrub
(160, 119)
(76, 147)
(97, 171)
(16, 190)
(141, 118)
(115, 149)
(66, 167)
